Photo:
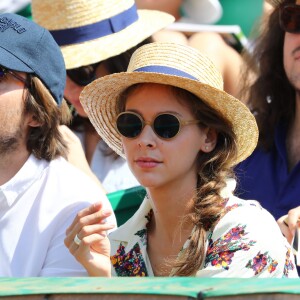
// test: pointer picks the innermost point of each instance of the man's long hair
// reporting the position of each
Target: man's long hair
(271, 96)
(45, 141)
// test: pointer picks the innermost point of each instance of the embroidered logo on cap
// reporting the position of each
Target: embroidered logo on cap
(6, 23)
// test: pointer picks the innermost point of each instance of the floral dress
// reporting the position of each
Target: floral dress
(246, 242)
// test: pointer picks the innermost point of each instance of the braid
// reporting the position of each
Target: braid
(214, 168)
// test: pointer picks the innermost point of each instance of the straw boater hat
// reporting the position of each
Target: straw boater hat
(171, 64)
(90, 31)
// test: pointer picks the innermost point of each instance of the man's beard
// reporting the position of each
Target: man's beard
(10, 142)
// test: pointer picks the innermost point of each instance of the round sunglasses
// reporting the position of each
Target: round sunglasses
(166, 126)
(289, 18)
(4, 72)
(83, 76)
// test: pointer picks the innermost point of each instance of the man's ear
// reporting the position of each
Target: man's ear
(210, 140)
(33, 122)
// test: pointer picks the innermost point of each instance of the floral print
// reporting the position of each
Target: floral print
(129, 264)
(143, 232)
(260, 261)
(132, 263)
(143, 235)
(220, 252)
(231, 207)
(288, 264)
(246, 242)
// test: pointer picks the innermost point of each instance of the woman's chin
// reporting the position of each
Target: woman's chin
(149, 183)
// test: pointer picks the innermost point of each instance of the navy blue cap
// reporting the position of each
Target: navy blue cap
(27, 47)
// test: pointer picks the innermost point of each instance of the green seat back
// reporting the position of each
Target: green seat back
(126, 202)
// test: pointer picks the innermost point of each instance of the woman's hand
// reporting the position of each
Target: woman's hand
(289, 223)
(91, 248)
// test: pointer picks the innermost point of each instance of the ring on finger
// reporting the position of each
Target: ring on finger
(77, 240)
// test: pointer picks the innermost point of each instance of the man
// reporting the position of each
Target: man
(272, 174)
(40, 192)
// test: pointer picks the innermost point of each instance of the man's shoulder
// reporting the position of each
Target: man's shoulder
(69, 188)
(70, 175)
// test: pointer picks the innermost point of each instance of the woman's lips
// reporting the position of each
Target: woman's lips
(146, 162)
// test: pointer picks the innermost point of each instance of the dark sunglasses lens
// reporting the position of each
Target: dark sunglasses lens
(166, 126)
(290, 18)
(129, 125)
(83, 75)
(2, 72)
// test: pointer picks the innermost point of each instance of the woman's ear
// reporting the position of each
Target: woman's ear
(210, 140)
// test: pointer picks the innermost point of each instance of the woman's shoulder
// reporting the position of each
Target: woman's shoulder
(247, 242)
(249, 219)
(235, 202)
(249, 212)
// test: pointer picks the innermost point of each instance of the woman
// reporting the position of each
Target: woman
(190, 223)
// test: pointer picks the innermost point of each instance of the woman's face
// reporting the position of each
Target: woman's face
(158, 162)
(73, 90)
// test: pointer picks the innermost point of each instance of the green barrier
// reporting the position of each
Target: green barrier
(244, 13)
(149, 288)
(126, 202)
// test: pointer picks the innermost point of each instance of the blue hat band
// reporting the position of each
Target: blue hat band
(165, 70)
(97, 30)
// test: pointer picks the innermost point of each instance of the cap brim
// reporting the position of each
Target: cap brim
(149, 22)
(99, 100)
(11, 62)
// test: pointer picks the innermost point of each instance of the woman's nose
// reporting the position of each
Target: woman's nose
(147, 138)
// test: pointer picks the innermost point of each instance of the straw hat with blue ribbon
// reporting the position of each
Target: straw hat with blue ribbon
(171, 64)
(89, 31)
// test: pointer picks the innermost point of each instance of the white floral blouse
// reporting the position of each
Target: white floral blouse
(246, 242)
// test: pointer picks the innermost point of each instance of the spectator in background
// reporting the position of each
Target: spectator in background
(271, 174)
(40, 191)
(97, 37)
